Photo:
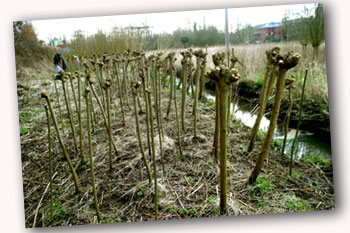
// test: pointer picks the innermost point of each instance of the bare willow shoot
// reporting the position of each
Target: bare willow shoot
(63, 147)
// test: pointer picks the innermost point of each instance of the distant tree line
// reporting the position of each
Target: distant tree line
(28, 49)
(306, 27)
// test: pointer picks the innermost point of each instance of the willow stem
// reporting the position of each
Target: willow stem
(217, 124)
(176, 112)
(287, 119)
(142, 76)
(159, 92)
(224, 77)
(81, 134)
(195, 105)
(93, 114)
(110, 140)
(120, 92)
(58, 104)
(102, 111)
(71, 167)
(223, 146)
(184, 84)
(202, 79)
(156, 105)
(92, 173)
(153, 158)
(298, 124)
(269, 79)
(50, 159)
(101, 82)
(125, 85)
(69, 114)
(170, 56)
(139, 135)
(73, 93)
(285, 63)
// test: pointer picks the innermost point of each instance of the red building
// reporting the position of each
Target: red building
(267, 32)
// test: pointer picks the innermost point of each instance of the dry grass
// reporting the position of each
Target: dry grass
(190, 188)
(254, 59)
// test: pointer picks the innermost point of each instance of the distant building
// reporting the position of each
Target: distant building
(267, 32)
(63, 48)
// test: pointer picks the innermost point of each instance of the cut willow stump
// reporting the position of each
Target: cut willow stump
(218, 60)
(265, 92)
(224, 78)
(285, 63)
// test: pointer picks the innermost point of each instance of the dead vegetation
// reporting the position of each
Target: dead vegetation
(189, 188)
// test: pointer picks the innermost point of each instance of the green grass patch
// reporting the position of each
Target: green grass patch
(261, 135)
(319, 160)
(169, 209)
(261, 187)
(294, 203)
(24, 130)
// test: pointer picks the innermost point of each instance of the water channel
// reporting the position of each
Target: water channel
(307, 144)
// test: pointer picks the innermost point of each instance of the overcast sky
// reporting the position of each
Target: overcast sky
(164, 22)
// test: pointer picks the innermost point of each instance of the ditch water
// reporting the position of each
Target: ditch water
(307, 144)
